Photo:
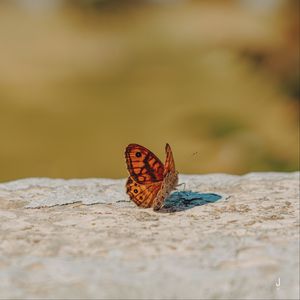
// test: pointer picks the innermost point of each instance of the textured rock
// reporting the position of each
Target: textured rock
(221, 236)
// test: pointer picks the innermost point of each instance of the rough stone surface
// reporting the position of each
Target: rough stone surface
(220, 236)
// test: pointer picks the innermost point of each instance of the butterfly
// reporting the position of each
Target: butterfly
(150, 181)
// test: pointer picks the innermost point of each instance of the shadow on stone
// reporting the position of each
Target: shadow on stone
(184, 200)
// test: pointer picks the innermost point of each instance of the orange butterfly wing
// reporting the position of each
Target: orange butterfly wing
(143, 166)
(150, 182)
(142, 194)
(146, 175)
(169, 163)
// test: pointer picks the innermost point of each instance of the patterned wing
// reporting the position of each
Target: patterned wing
(143, 166)
(169, 163)
(170, 180)
(142, 194)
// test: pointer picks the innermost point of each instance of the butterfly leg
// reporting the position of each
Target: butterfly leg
(180, 185)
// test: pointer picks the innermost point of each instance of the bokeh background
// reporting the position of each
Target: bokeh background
(79, 80)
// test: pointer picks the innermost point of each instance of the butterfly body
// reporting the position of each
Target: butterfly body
(150, 181)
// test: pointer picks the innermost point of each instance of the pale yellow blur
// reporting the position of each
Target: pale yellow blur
(217, 80)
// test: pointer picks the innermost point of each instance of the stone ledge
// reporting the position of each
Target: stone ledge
(236, 246)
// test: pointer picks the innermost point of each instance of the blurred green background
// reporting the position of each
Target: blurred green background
(79, 80)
